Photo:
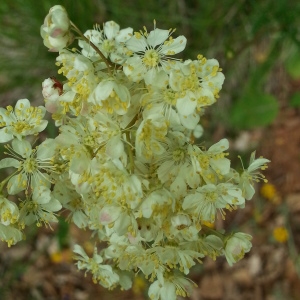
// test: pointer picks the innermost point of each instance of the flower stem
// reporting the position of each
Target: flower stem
(107, 62)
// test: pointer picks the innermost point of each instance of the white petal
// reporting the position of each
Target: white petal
(122, 92)
(122, 224)
(175, 47)
(190, 121)
(109, 214)
(67, 96)
(150, 76)
(82, 64)
(41, 195)
(22, 104)
(80, 162)
(124, 35)
(111, 29)
(46, 149)
(221, 164)
(80, 219)
(53, 205)
(115, 147)
(186, 105)
(93, 35)
(22, 147)
(14, 184)
(157, 37)
(136, 44)
(103, 90)
(178, 187)
(257, 164)
(198, 131)
(9, 162)
(79, 250)
(220, 146)
(160, 80)
(134, 68)
(7, 118)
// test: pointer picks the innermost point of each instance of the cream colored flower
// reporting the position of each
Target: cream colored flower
(151, 53)
(56, 29)
(22, 121)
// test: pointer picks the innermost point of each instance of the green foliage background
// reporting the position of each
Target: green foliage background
(249, 38)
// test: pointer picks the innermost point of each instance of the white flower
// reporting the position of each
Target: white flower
(56, 29)
(150, 137)
(159, 203)
(150, 53)
(40, 209)
(29, 163)
(211, 164)
(117, 218)
(175, 166)
(81, 76)
(181, 228)
(197, 84)
(170, 287)
(9, 211)
(111, 97)
(236, 247)
(206, 200)
(10, 234)
(173, 255)
(252, 175)
(162, 100)
(72, 201)
(110, 180)
(103, 274)
(208, 245)
(22, 121)
(110, 41)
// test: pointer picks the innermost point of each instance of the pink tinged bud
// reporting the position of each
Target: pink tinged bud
(56, 32)
(51, 91)
(56, 29)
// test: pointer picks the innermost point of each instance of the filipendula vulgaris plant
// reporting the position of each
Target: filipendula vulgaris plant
(125, 163)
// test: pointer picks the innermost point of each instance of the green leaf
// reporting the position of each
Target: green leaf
(63, 232)
(295, 100)
(254, 110)
(292, 65)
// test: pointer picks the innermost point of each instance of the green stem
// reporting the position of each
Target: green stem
(128, 138)
(129, 150)
(107, 62)
(213, 231)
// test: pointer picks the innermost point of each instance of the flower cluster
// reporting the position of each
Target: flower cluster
(125, 163)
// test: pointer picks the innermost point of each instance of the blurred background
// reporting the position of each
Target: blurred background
(258, 46)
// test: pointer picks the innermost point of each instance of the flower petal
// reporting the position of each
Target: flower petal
(157, 37)
(175, 46)
(111, 29)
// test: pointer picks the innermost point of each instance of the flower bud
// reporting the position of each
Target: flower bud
(56, 29)
(236, 247)
(52, 89)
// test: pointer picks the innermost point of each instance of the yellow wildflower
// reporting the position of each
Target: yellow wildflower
(269, 192)
(139, 285)
(280, 234)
